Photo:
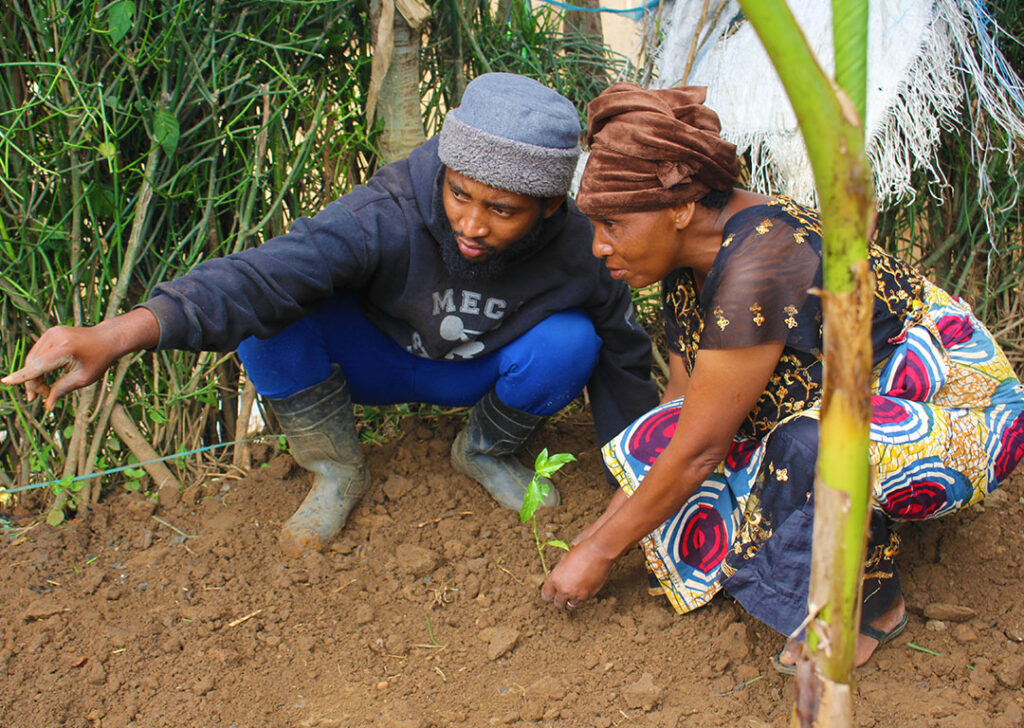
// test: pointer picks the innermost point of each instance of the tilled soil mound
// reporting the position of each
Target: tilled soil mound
(426, 612)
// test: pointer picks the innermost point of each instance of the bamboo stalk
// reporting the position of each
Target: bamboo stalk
(141, 208)
(75, 458)
(694, 42)
(398, 98)
(257, 169)
(659, 360)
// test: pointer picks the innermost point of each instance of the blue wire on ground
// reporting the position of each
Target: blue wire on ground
(34, 486)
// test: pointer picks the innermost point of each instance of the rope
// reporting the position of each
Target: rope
(636, 13)
(118, 469)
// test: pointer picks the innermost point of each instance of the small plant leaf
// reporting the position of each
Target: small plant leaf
(537, 491)
(120, 17)
(552, 464)
(542, 457)
(166, 130)
(535, 494)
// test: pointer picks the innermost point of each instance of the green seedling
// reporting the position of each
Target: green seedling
(68, 488)
(133, 475)
(544, 467)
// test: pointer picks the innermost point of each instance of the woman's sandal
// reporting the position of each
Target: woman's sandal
(867, 630)
(781, 666)
(882, 637)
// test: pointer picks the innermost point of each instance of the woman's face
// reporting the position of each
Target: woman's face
(638, 247)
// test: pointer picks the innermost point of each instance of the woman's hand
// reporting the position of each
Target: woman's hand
(578, 576)
(83, 352)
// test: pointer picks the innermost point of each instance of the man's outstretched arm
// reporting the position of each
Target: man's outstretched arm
(84, 353)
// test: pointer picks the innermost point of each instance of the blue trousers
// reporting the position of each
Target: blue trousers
(540, 372)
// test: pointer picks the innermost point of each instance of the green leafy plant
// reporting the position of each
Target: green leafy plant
(133, 475)
(543, 468)
(67, 490)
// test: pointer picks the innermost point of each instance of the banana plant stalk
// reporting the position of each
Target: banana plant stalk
(830, 114)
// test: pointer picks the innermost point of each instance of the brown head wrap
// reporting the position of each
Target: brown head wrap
(651, 149)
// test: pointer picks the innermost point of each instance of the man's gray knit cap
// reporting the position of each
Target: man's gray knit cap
(512, 133)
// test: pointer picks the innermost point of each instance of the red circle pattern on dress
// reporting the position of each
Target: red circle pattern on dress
(704, 541)
(651, 438)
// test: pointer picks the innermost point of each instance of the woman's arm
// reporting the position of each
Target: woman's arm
(724, 387)
(678, 381)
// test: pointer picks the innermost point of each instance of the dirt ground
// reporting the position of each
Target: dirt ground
(426, 612)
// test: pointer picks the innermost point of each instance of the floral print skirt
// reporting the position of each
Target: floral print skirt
(947, 426)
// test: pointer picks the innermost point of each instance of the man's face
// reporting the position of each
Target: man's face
(487, 221)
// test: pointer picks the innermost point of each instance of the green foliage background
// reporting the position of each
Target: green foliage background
(138, 138)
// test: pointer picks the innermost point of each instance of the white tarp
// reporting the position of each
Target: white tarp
(922, 57)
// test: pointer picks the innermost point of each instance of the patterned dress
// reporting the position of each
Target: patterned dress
(947, 421)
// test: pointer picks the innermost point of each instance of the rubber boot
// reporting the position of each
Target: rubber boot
(321, 431)
(483, 451)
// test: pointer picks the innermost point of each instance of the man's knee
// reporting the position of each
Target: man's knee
(288, 362)
(547, 366)
(566, 339)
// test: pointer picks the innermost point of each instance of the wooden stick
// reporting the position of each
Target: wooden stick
(246, 618)
(242, 456)
(130, 436)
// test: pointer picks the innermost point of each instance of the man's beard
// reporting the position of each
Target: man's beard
(495, 265)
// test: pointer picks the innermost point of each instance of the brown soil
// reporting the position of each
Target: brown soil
(426, 612)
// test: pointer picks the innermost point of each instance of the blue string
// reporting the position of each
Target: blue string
(120, 468)
(984, 29)
(636, 13)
